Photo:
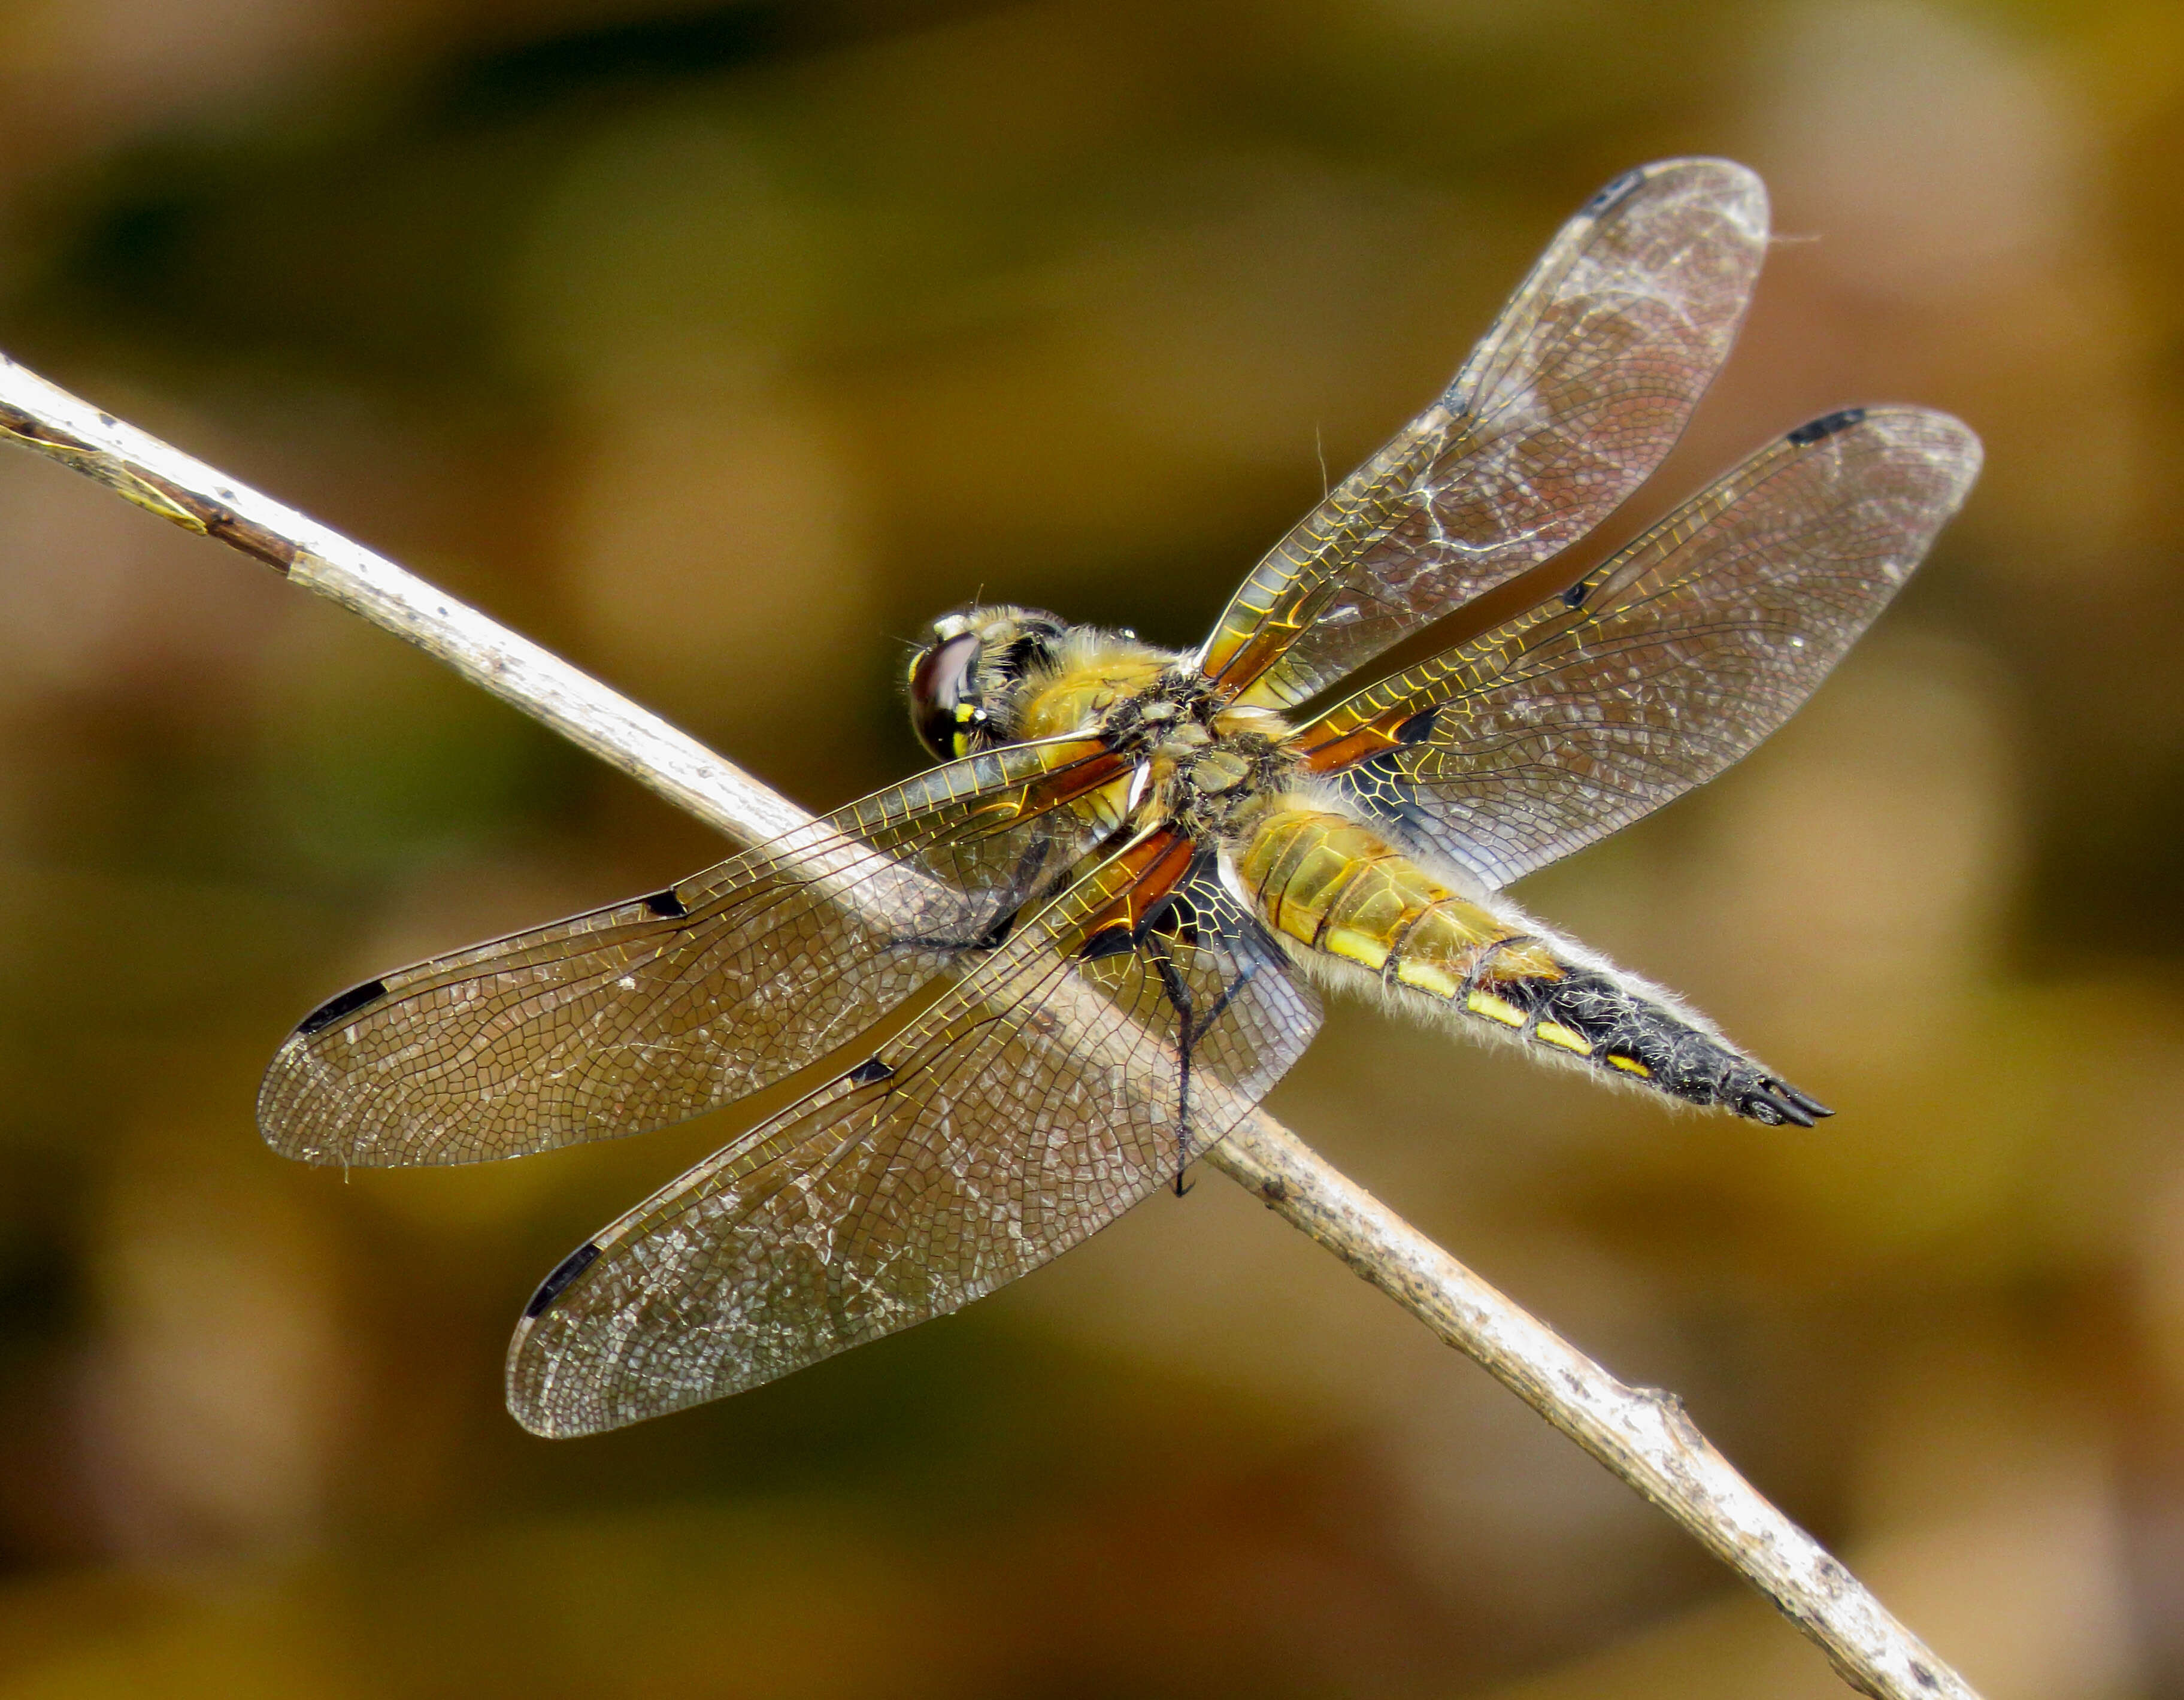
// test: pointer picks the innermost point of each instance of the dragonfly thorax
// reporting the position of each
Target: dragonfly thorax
(1202, 760)
(1211, 775)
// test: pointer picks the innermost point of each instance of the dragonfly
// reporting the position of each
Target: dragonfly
(1112, 908)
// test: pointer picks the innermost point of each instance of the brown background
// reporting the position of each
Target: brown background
(720, 348)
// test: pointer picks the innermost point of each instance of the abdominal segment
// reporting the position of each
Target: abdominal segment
(1325, 882)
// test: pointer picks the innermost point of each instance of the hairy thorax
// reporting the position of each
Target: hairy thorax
(1209, 767)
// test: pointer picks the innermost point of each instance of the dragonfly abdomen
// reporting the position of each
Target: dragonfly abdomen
(1334, 885)
(1354, 906)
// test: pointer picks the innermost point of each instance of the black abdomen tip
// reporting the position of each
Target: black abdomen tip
(557, 1283)
(334, 1008)
(1812, 431)
(1773, 1102)
(1588, 1015)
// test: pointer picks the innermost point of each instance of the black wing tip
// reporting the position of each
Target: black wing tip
(343, 1004)
(1826, 426)
(666, 905)
(557, 1283)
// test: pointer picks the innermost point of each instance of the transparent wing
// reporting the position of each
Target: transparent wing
(654, 1011)
(1036, 1102)
(1667, 664)
(1581, 386)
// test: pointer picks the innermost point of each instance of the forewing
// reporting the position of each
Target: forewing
(1581, 388)
(650, 1012)
(1670, 663)
(1032, 1106)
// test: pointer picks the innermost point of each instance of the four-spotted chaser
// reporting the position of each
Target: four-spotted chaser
(1132, 867)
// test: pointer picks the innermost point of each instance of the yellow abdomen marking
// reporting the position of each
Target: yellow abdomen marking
(1495, 1009)
(1363, 948)
(1425, 978)
(1334, 885)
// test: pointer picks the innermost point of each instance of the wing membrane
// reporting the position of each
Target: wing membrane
(1674, 660)
(651, 1011)
(1581, 386)
(1032, 1106)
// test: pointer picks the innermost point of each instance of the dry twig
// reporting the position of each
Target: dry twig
(1642, 1433)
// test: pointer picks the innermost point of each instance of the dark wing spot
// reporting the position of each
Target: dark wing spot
(1159, 916)
(348, 1003)
(1419, 728)
(564, 1272)
(1379, 786)
(1574, 596)
(1615, 194)
(666, 905)
(1184, 923)
(1826, 426)
(871, 1072)
(1113, 941)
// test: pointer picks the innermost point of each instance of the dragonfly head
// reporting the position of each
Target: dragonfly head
(963, 682)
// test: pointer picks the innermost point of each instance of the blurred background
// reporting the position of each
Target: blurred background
(720, 346)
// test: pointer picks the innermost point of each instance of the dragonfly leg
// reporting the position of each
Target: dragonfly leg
(992, 939)
(1030, 888)
(1187, 1031)
(1227, 996)
(1190, 1028)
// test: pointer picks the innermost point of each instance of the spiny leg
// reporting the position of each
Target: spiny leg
(1186, 1036)
(1190, 1028)
(1025, 879)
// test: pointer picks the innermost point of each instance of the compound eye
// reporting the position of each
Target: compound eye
(940, 694)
